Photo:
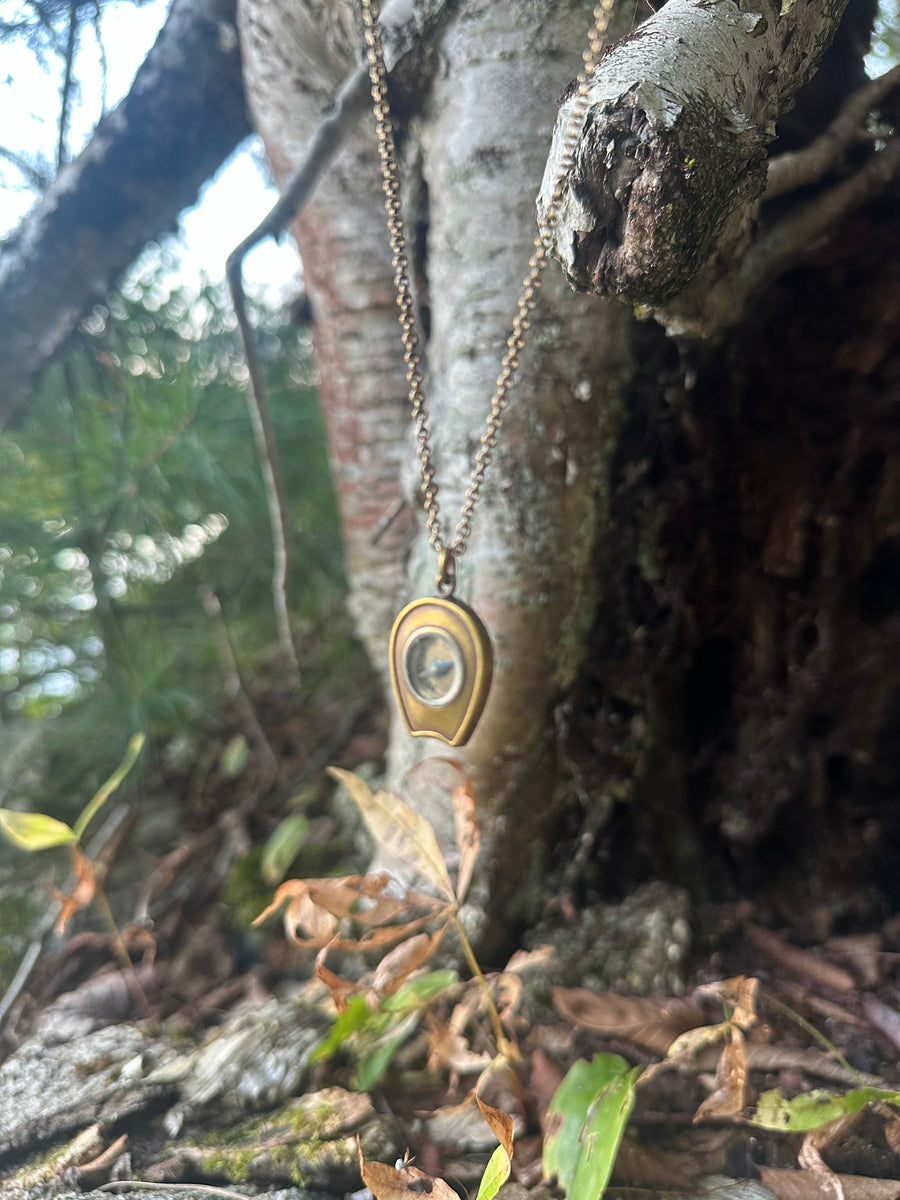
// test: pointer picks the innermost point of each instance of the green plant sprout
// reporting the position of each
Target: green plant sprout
(33, 831)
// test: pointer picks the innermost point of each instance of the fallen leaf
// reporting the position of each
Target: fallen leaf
(817, 1140)
(396, 966)
(82, 893)
(730, 1093)
(402, 1183)
(446, 1048)
(400, 831)
(497, 1171)
(468, 836)
(801, 962)
(812, 1110)
(653, 1168)
(341, 989)
(800, 1185)
(738, 996)
(500, 1123)
(546, 1076)
(687, 1044)
(653, 1024)
(316, 906)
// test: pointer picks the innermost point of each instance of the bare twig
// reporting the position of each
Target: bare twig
(322, 148)
(793, 237)
(212, 606)
(790, 171)
(66, 92)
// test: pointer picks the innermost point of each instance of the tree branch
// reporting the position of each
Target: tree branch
(145, 163)
(671, 162)
(790, 171)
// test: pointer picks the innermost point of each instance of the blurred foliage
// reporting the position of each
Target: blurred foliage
(135, 485)
(67, 41)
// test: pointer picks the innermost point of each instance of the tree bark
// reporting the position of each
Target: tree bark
(672, 162)
(474, 139)
(145, 163)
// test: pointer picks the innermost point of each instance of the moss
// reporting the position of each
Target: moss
(233, 1165)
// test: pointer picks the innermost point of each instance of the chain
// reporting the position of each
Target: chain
(449, 552)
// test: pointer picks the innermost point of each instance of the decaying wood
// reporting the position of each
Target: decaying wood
(671, 164)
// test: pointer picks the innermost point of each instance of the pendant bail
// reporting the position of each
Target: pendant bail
(445, 580)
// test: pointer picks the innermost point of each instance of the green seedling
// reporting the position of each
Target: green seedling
(587, 1118)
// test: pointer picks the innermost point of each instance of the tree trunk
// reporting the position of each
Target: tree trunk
(658, 578)
(474, 150)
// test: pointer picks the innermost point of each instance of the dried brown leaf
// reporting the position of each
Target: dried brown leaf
(800, 1185)
(447, 1048)
(730, 1093)
(546, 1076)
(810, 1155)
(82, 893)
(864, 952)
(341, 989)
(397, 966)
(399, 831)
(653, 1024)
(738, 996)
(402, 1183)
(501, 1125)
(315, 908)
(801, 962)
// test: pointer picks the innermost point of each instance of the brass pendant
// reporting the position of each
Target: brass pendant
(441, 664)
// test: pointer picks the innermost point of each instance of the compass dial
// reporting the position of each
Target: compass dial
(433, 666)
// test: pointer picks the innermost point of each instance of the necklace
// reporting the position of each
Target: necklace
(440, 652)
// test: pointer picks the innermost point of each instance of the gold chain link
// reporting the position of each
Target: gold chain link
(449, 552)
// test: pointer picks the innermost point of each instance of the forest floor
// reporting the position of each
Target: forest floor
(770, 1058)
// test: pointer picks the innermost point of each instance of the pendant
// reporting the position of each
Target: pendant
(441, 664)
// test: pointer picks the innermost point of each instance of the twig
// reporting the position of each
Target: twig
(66, 93)
(790, 171)
(350, 101)
(234, 684)
(387, 518)
(793, 237)
(322, 148)
(134, 1185)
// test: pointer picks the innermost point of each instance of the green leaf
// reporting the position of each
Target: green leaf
(374, 1063)
(812, 1110)
(495, 1175)
(35, 831)
(419, 992)
(355, 1017)
(588, 1115)
(282, 847)
(375, 1035)
(234, 757)
(96, 802)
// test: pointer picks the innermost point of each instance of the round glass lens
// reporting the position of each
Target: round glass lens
(434, 667)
